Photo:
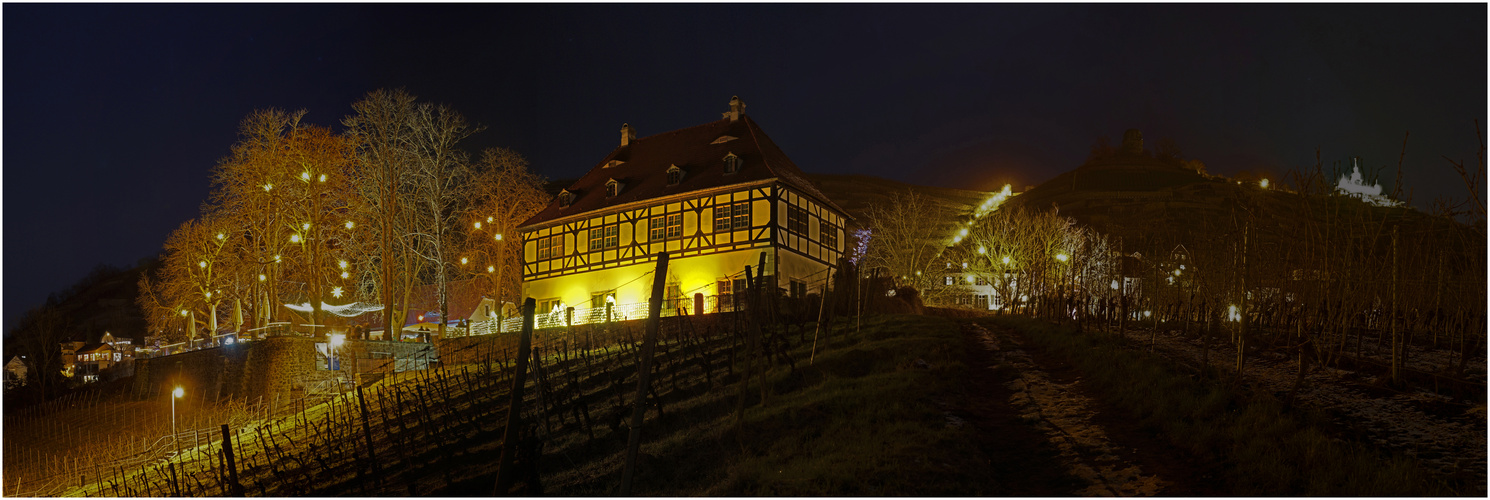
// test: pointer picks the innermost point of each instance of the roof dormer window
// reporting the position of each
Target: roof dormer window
(723, 139)
(612, 188)
(732, 163)
(613, 163)
(566, 198)
(674, 175)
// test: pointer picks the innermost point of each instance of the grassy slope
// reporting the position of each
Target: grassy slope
(862, 419)
(1269, 451)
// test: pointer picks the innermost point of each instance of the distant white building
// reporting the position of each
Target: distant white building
(15, 372)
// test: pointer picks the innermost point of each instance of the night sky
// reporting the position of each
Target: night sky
(114, 114)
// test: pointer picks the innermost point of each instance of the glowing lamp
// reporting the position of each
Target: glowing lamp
(220, 236)
(491, 269)
(294, 238)
(305, 226)
(178, 392)
(336, 292)
(350, 224)
(478, 224)
(498, 237)
(463, 260)
(488, 220)
(1006, 259)
(1062, 257)
(342, 264)
(304, 176)
(262, 277)
(1264, 183)
(323, 178)
(183, 312)
(982, 250)
(268, 187)
(1114, 285)
(345, 275)
(202, 263)
(337, 340)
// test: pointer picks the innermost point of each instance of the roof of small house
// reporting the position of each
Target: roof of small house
(94, 347)
(699, 151)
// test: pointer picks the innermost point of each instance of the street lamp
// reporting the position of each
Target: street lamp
(336, 340)
(175, 438)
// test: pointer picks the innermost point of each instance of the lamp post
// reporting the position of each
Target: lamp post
(176, 394)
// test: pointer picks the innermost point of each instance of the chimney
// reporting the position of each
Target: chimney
(736, 108)
(627, 134)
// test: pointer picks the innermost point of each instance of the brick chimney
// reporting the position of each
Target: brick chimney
(736, 108)
(627, 134)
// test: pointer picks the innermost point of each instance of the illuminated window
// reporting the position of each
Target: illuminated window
(666, 226)
(604, 237)
(721, 218)
(551, 247)
(732, 163)
(741, 214)
(796, 220)
(949, 280)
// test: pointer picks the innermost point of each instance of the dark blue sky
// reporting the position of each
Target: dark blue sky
(114, 114)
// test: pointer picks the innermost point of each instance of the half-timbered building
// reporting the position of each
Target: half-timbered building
(715, 197)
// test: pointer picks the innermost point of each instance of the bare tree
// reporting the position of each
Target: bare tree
(906, 237)
(503, 193)
(441, 171)
(380, 132)
(40, 335)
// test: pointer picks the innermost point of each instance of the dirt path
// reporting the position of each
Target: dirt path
(1058, 439)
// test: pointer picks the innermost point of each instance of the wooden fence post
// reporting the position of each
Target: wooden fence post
(644, 372)
(227, 451)
(514, 407)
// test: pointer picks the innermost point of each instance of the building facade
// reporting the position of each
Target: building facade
(716, 197)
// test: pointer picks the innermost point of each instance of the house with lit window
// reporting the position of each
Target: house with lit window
(86, 361)
(716, 197)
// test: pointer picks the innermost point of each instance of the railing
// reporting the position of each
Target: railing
(593, 315)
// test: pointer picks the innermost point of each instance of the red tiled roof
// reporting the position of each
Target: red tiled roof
(645, 161)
